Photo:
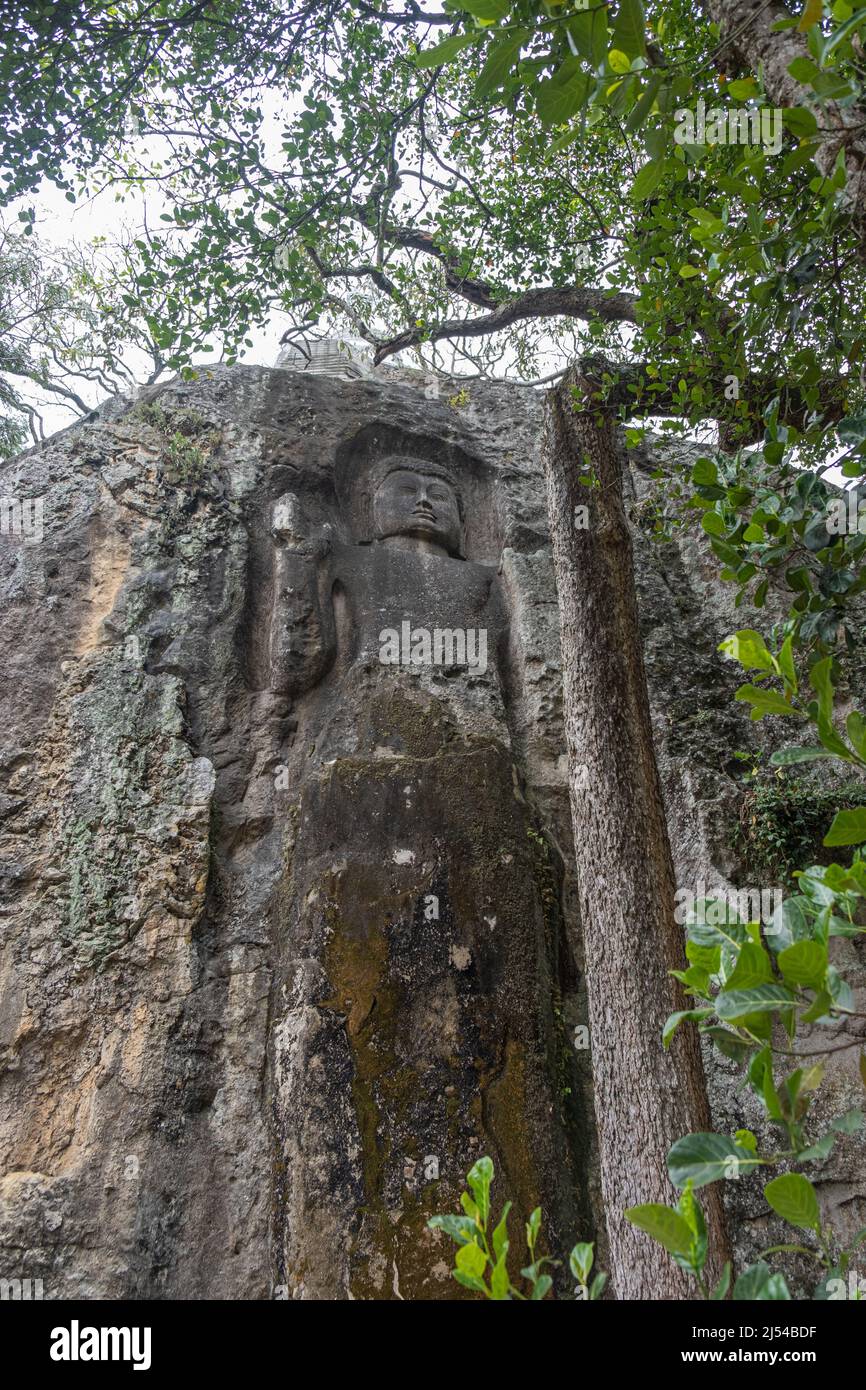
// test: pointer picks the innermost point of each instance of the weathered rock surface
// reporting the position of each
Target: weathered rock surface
(289, 937)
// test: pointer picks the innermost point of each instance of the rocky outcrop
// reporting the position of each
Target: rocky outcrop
(288, 934)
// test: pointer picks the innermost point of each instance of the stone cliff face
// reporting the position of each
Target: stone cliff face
(288, 933)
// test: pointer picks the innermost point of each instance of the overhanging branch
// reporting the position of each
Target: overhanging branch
(568, 301)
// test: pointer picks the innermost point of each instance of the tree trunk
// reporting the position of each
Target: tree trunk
(645, 1097)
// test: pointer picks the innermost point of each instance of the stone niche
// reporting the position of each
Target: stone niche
(419, 928)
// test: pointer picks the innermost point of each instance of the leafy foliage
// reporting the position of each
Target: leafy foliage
(67, 336)
(378, 169)
(783, 822)
(481, 1261)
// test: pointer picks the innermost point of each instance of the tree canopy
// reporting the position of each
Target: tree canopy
(68, 337)
(670, 193)
(390, 170)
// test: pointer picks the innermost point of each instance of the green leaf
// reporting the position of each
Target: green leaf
(588, 32)
(849, 1123)
(688, 272)
(541, 1288)
(804, 963)
(713, 524)
(848, 828)
(684, 1016)
(721, 1289)
(689, 1209)
(821, 682)
(749, 648)
(819, 1009)
(813, 12)
(479, 1178)
(729, 1044)
(817, 1152)
(647, 179)
(770, 1096)
(459, 1228)
(860, 1236)
(500, 62)
(471, 1259)
(785, 662)
(705, 473)
(629, 29)
(500, 1284)
(852, 430)
(759, 1284)
(845, 31)
(753, 968)
(703, 1158)
(786, 757)
(761, 1063)
(803, 70)
(580, 1261)
(789, 923)
(444, 51)
(708, 958)
(793, 1197)
(469, 1281)
(643, 107)
(855, 726)
(487, 10)
(712, 922)
(533, 1226)
(811, 1079)
(765, 702)
(500, 1234)
(664, 1225)
(737, 1003)
(470, 1207)
(800, 121)
(556, 101)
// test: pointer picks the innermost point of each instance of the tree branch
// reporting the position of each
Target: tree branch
(478, 292)
(569, 301)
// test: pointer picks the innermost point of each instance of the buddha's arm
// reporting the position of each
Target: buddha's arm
(302, 636)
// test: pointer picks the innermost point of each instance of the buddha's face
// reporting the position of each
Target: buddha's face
(409, 502)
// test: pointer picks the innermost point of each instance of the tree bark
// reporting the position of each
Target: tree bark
(645, 1097)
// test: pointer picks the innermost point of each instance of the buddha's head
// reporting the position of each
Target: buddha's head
(417, 502)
